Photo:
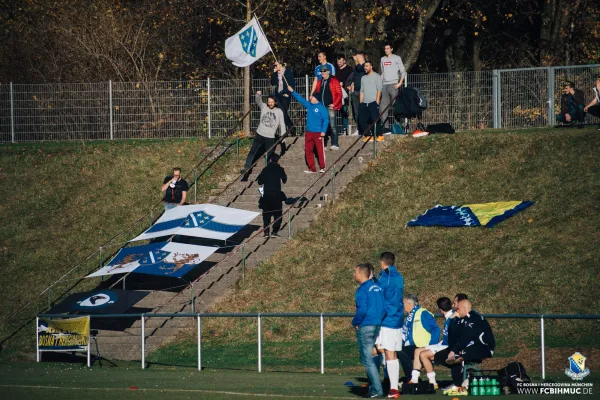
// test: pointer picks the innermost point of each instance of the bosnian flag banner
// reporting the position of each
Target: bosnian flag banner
(165, 258)
(200, 220)
(248, 45)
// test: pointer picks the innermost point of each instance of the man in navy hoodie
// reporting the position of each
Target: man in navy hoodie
(390, 335)
(367, 320)
(317, 121)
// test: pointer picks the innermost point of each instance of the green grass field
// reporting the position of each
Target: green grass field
(129, 381)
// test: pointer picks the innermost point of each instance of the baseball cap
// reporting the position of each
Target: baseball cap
(325, 68)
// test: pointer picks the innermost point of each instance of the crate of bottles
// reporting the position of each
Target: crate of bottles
(484, 385)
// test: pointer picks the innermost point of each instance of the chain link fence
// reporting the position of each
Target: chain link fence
(516, 98)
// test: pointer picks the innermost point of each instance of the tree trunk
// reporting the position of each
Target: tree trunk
(410, 50)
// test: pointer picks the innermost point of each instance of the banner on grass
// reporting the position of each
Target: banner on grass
(70, 334)
(485, 214)
(201, 220)
(104, 301)
(164, 258)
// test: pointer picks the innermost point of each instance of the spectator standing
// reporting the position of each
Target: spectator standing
(175, 188)
(317, 120)
(571, 105)
(271, 118)
(329, 92)
(370, 96)
(367, 320)
(270, 179)
(322, 57)
(343, 74)
(393, 74)
(419, 330)
(354, 84)
(280, 79)
(593, 106)
(390, 336)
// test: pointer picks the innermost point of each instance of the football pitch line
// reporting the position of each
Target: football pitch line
(158, 390)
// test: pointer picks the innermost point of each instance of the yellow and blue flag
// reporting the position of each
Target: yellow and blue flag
(484, 214)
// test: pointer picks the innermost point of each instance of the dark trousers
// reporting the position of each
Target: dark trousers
(284, 104)
(474, 353)
(355, 102)
(272, 210)
(367, 114)
(260, 145)
(406, 357)
(594, 110)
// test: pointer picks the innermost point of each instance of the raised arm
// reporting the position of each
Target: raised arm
(305, 103)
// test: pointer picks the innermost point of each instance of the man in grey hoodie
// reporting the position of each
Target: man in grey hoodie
(392, 74)
(271, 118)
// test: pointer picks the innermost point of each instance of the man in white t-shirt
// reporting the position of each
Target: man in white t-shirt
(393, 74)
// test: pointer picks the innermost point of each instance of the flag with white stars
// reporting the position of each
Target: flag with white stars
(247, 45)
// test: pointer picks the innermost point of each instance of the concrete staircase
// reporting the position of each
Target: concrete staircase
(217, 277)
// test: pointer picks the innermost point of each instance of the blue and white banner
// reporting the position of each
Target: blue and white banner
(200, 220)
(248, 45)
(166, 259)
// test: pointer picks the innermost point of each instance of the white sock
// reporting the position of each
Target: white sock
(431, 377)
(393, 369)
(415, 375)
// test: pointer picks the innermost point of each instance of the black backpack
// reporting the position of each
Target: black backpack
(511, 375)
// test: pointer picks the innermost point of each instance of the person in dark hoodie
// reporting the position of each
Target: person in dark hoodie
(317, 121)
(571, 105)
(471, 341)
(270, 179)
(367, 320)
(390, 335)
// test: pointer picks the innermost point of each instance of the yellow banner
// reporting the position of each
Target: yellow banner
(64, 334)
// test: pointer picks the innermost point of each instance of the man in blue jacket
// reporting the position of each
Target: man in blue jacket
(390, 335)
(419, 330)
(317, 121)
(367, 320)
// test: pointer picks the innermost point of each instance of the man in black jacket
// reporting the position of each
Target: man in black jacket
(571, 105)
(270, 179)
(281, 78)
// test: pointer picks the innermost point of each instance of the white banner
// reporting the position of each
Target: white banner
(200, 220)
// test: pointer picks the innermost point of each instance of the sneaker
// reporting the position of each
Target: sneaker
(457, 392)
(368, 139)
(334, 148)
(308, 171)
(387, 133)
(449, 389)
(244, 179)
(322, 171)
(355, 133)
(266, 234)
(374, 396)
(435, 387)
(380, 138)
(275, 235)
(394, 394)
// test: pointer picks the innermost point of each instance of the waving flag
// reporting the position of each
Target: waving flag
(248, 45)
(165, 258)
(202, 220)
(485, 214)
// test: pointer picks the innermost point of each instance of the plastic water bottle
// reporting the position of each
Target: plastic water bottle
(475, 389)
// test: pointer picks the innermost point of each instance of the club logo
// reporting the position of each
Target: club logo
(577, 370)
(97, 300)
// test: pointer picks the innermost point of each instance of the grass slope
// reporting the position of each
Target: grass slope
(61, 200)
(544, 260)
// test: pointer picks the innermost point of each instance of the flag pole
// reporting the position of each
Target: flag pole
(270, 48)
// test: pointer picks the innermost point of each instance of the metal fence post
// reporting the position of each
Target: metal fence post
(192, 299)
(495, 97)
(12, 114)
(243, 264)
(143, 341)
(37, 339)
(196, 185)
(110, 105)
(306, 91)
(551, 111)
(259, 343)
(543, 347)
(199, 343)
(322, 323)
(208, 108)
(289, 225)
(333, 185)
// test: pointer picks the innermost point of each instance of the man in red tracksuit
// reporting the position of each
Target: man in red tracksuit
(317, 120)
(329, 92)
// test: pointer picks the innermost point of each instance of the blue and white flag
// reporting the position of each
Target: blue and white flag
(248, 45)
(200, 220)
(164, 258)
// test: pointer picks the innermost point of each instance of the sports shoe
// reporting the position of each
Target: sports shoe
(355, 133)
(266, 234)
(394, 394)
(275, 235)
(334, 148)
(308, 171)
(322, 171)
(374, 396)
(435, 386)
(457, 392)
(387, 133)
(449, 389)
(419, 133)
(380, 138)
(368, 139)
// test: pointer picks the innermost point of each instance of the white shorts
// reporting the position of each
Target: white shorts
(434, 348)
(389, 339)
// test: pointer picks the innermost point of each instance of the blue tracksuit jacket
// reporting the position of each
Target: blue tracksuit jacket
(317, 116)
(369, 305)
(392, 283)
